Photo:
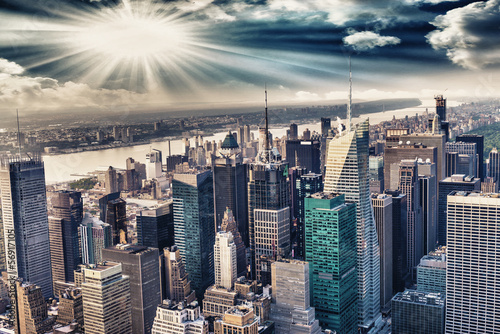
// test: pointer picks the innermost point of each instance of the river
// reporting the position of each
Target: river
(69, 167)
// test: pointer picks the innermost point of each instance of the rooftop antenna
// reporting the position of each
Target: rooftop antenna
(267, 125)
(18, 134)
(350, 98)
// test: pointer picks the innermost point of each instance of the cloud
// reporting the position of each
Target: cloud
(42, 93)
(470, 35)
(366, 40)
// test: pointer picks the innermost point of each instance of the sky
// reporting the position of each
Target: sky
(100, 55)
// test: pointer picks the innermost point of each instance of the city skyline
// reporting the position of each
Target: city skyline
(146, 54)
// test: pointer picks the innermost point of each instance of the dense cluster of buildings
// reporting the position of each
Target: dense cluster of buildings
(328, 232)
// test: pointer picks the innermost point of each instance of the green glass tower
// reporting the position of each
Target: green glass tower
(331, 250)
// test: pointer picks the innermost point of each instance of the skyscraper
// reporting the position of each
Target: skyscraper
(461, 158)
(32, 315)
(155, 226)
(382, 211)
(194, 228)
(427, 181)
(70, 307)
(66, 209)
(153, 164)
(331, 252)
(494, 165)
(225, 260)
(179, 319)
(94, 237)
(141, 265)
(304, 153)
(116, 217)
(230, 183)
(479, 140)
(240, 319)
(229, 225)
(111, 181)
(106, 299)
(431, 273)
(176, 285)
(472, 290)
(326, 125)
(26, 228)
(347, 173)
(294, 132)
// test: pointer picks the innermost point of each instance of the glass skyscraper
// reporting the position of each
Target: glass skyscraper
(347, 173)
(26, 227)
(194, 228)
(331, 252)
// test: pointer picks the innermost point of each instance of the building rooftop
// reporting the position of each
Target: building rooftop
(129, 249)
(229, 142)
(473, 194)
(423, 298)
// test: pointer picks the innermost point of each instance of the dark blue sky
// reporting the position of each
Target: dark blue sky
(146, 53)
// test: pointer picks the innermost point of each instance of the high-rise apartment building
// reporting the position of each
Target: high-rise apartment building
(331, 249)
(66, 215)
(479, 140)
(292, 312)
(230, 185)
(94, 237)
(454, 183)
(25, 223)
(32, 313)
(418, 313)
(229, 225)
(194, 228)
(179, 319)
(155, 226)
(347, 173)
(473, 240)
(176, 285)
(106, 299)
(382, 211)
(141, 265)
(225, 265)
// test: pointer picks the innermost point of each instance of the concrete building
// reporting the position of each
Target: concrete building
(153, 164)
(229, 225)
(431, 273)
(106, 299)
(179, 319)
(472, 291)
(292, 312)
(332, 262)
(70, 307)
(376, 174)
(347, 173)
(225, 265)
(194, 228)
(176, 285)
(382, 211)
(237, 320)
(427, 181)
(155, 226)
(218, 300)
(454, 183)
(418, 313)
(32, 316)
(461, 158)
(111, 180)
(25, 222)
(479, 141)
(141, 265)
(94, 237)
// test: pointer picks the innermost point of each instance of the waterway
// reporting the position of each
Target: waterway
(68, 167)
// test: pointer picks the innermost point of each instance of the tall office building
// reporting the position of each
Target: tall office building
(440, 107)
(229, 225)
(269, 192)
(326, 125)
(304, 153)
(70, 307)
(418, 313)
(66, 215)
(428, 184)
(153, 164)
(294, 132)
(141, 265)
(292, 312)
(479, 140)
(155, 226)
(489, 185)
(376, 174)
(230, 184)
(461, 158)
(179, 319)
(106, 299)
(382, 211)
(347, 173)
(393, 156)
(399, 240)
(225, 265)
(25, 223)
(176, 285)
(453, 183)
(240, 319)
(431, 273)
(306, 185)
(472, 290)
(494, 165)
(331, 252)
(94, 237)
(111, 181)
(408, 185)
(32, 313)
(116, 217)
(194, 228)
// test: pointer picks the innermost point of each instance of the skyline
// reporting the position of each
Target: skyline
(100, 55)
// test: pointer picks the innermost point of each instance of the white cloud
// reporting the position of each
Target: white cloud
(8, 67)
(470, 35)
(306, 96)
(365, 40)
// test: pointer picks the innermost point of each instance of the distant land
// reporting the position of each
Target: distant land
(491, 135)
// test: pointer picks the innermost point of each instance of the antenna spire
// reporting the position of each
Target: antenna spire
(18, 134)
(267, 124)
(350, 98)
